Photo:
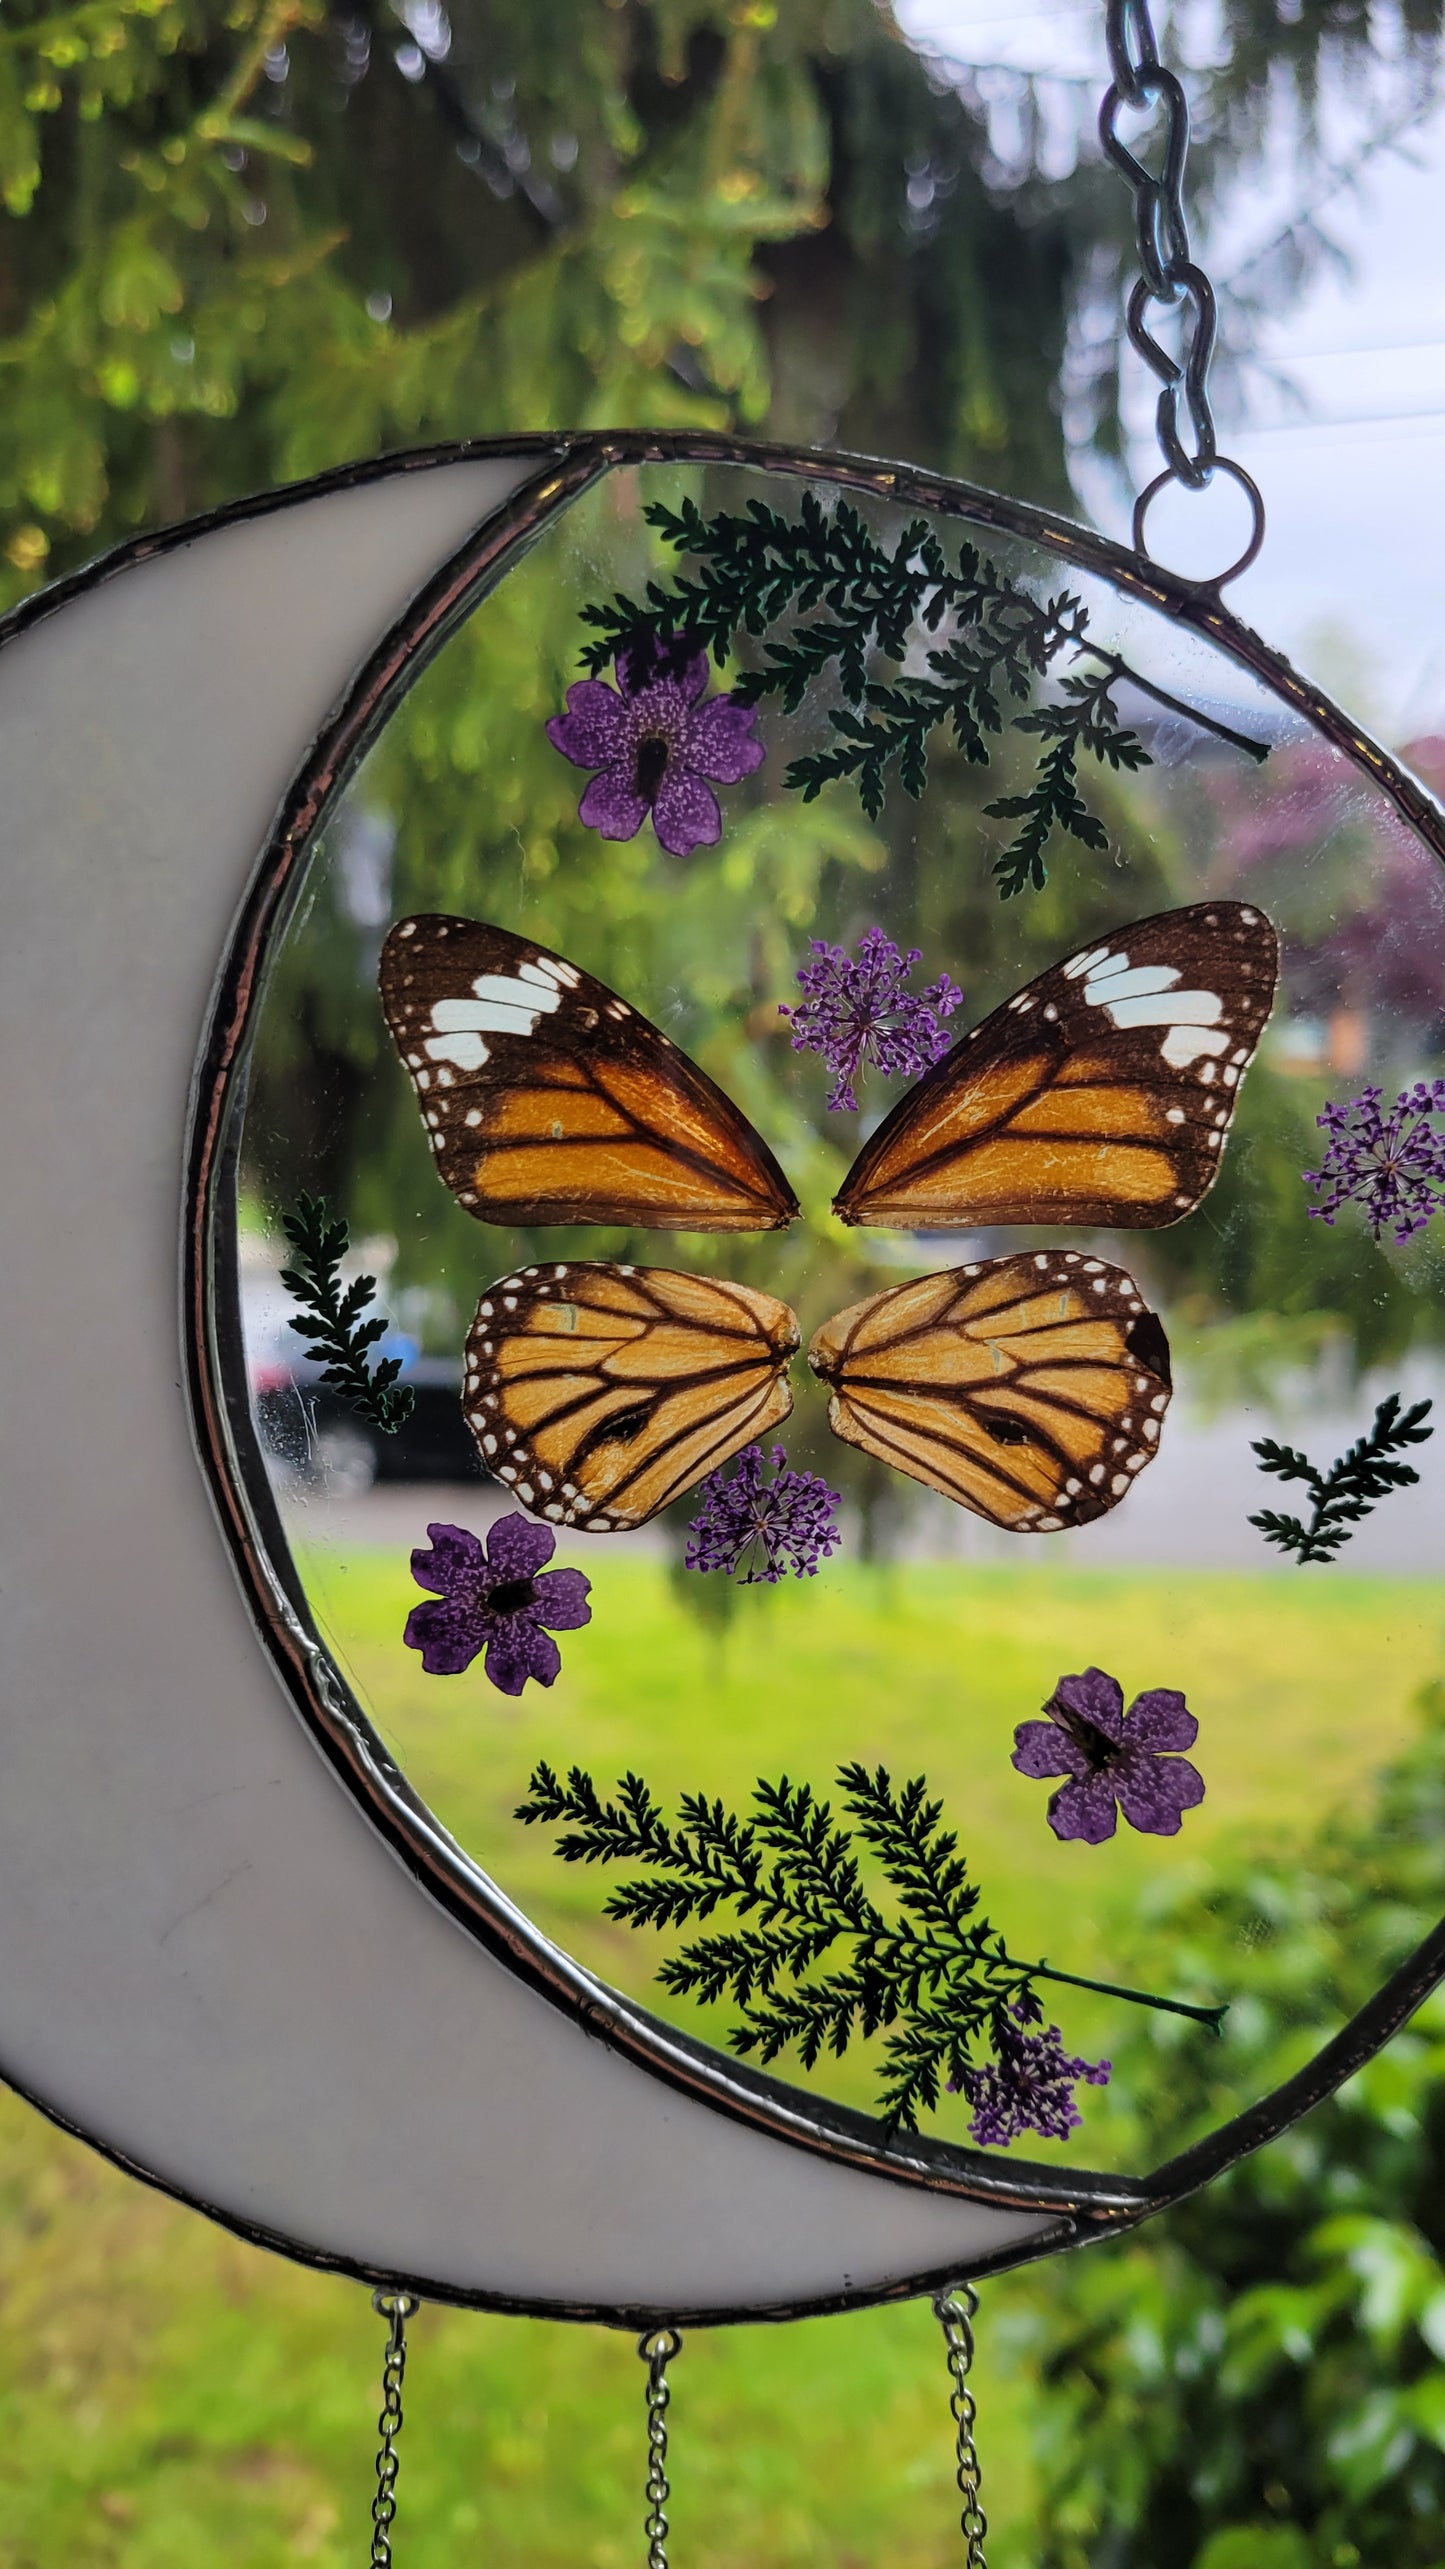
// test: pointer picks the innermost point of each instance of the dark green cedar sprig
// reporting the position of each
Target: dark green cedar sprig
(859, 599)
(935, 1978)
(1350, 1488)
(339, 1337)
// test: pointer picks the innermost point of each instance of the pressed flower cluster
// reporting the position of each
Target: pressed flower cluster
(1392, 1165)
(1028, 2086)
(763, 1527)
(858, 1009)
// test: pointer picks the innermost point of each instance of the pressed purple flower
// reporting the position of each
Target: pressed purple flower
(498, 1600)
(856, 1010)
(655, 743)
(1112, 1758)
(787, 1523)
(1028, 2086)
(1392, 1166)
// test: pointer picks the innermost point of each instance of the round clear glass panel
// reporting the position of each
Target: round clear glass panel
(929, 1635)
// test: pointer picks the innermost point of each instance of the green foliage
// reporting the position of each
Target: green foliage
(1351, 1487)
(339, 1338)
(175, 2396)
(1261, 2375)
(937, 1973)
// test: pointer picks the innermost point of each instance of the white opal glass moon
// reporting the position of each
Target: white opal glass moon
(213, 1966)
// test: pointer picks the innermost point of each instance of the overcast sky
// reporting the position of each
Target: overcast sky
(1351, 581)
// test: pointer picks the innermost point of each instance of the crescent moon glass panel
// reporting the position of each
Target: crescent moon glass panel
(886, 1156)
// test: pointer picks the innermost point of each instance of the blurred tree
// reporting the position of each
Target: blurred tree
(245, 242)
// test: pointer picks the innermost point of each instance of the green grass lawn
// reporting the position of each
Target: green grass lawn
(1302, 1682)
(171, 2397)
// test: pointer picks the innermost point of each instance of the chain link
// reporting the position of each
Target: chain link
(657, 2347)
(1169, 274)
(955, 2309)
(397, 2308)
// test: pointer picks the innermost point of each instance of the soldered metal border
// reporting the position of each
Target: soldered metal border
(1072, 2206)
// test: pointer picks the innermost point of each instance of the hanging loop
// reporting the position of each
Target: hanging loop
(657, 2347)
(1169, 276)
(955, 2309)
(1252, 492)
(396, 2308)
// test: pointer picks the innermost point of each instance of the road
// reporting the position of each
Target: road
(1190, 1509)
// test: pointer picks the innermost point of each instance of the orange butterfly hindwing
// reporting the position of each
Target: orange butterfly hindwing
(598, 1393)
(1102, 1093)
(1030, 1389)
(548, 1099)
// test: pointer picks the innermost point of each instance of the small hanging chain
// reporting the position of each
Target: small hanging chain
(657, 2347)
(955, 2309)
(1169, 276)
(397, 2308)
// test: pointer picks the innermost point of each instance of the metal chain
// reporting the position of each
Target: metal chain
(955, 2309)
(397, 2308)
(1169, 276)
(657, 2347)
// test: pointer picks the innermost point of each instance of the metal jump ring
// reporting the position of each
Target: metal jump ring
(1251, 490)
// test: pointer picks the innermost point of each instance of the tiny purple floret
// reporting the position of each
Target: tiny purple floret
(1029, 2084)
(1112, 1758)
(1392, 1166)
(497, 1600)
(856, 1010)
(787, 1523)
(654, 744)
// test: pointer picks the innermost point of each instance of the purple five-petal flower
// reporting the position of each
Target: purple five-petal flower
(655, 745)
(498, 1600)
(1112, 1758)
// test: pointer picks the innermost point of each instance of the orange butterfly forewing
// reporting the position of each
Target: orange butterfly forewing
(548, 1099)
(1102, 1093)
(1030, 1389)
(598, 1393)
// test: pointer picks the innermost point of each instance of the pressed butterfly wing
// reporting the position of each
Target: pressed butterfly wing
(599, 1393)
(548, 1099)
(1030, 1389)
(1102, 1093)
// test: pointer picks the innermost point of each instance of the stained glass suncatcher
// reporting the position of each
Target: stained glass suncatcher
(987, 1464)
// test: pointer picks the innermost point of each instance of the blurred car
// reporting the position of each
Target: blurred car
(321, 1438)
(308, 1430)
